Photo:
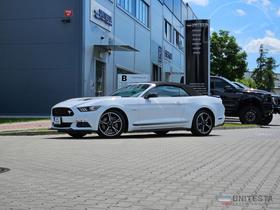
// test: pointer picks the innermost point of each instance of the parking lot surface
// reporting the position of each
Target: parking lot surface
(231, 169)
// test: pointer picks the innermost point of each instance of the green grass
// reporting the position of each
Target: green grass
(229, 125)
(14, 120)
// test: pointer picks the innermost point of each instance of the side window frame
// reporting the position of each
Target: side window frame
(179, 91)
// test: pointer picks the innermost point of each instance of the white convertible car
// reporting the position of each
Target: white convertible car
(157, 106)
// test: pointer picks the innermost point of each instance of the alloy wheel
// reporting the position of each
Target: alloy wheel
(110, 124)
(204, 123)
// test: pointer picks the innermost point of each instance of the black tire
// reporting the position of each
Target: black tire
(161, 133)
(111, 124)
(203, 123)
(266, 120)
(250, 115)
(77, 134)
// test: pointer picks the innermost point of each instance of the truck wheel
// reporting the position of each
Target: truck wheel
(266, 120)
(250, 115)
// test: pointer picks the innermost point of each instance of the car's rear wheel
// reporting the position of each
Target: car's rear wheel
(266, 120)
(111, 124)
(250, 115)
(203, 123)
(77, 134)
(161, 133)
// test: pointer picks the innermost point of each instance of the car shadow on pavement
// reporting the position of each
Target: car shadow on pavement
(130, 136)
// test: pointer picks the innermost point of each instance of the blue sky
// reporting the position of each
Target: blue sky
(252, 22)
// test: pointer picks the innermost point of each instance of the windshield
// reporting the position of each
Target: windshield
(131, 90)
(241, 85)
(233, 84)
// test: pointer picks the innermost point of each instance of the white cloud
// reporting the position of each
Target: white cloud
(251, 1)
(269, 33)
(266, 3)
(278, 12)
(198, 2)
(240, 12)
(272, 44)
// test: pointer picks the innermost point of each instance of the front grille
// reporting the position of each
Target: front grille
(62, 125)
(62, 112)
(83, 125)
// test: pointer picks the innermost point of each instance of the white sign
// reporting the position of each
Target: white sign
(125, 79)
(101, 16)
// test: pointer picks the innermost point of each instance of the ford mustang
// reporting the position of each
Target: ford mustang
(157, 107)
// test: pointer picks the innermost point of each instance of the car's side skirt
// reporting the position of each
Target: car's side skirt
(163, 123)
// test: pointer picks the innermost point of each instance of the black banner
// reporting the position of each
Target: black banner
(197, 55)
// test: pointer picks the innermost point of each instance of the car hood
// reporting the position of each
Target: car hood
(255, 91)
(87, 101)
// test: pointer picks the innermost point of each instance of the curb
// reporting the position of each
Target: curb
(33, 132)
(39, 132)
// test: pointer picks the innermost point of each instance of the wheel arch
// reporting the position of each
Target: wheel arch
(122, 112)
(249, 102)
(206, 109)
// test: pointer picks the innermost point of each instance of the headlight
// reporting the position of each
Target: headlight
(88, 108)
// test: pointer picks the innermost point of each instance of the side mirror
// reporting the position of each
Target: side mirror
(151, 95)
(229, 88)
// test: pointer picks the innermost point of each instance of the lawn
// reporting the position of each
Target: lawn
(14, 120)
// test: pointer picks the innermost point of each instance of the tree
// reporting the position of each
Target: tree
(227, 58)
(264, 75)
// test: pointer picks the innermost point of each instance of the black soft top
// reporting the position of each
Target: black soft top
(187, 88)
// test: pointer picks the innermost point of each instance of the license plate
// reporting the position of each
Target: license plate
(57, 120)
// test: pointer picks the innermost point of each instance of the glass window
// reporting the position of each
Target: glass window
(142, 12)
(220, 84)
(167, 31)
(168, 91)
(137, 8)
(128, 5)
(131, 90)
(177, 8)
(178, 39)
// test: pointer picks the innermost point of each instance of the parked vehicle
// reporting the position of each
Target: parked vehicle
(251, 106)
(275, 97)
(157, 106)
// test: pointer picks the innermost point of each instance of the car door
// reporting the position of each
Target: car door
(229, 95)
(163, 111)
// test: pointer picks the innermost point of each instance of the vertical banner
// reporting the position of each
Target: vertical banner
(198, 55)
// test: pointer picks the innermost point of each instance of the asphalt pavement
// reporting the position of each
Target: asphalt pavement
(230, 169)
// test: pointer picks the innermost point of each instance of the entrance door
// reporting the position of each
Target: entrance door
(156, 73)
(100, 78)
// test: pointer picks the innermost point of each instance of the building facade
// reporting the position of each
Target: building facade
(58, 49)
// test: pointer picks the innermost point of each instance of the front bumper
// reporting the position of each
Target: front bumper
(79, 121)
(267, 108)
(276, 109)
(220, 121)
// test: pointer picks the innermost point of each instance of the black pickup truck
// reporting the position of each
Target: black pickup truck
(251, 106)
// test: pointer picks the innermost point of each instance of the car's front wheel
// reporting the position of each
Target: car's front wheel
(77, 134)
(203, 123)
(111, 124)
